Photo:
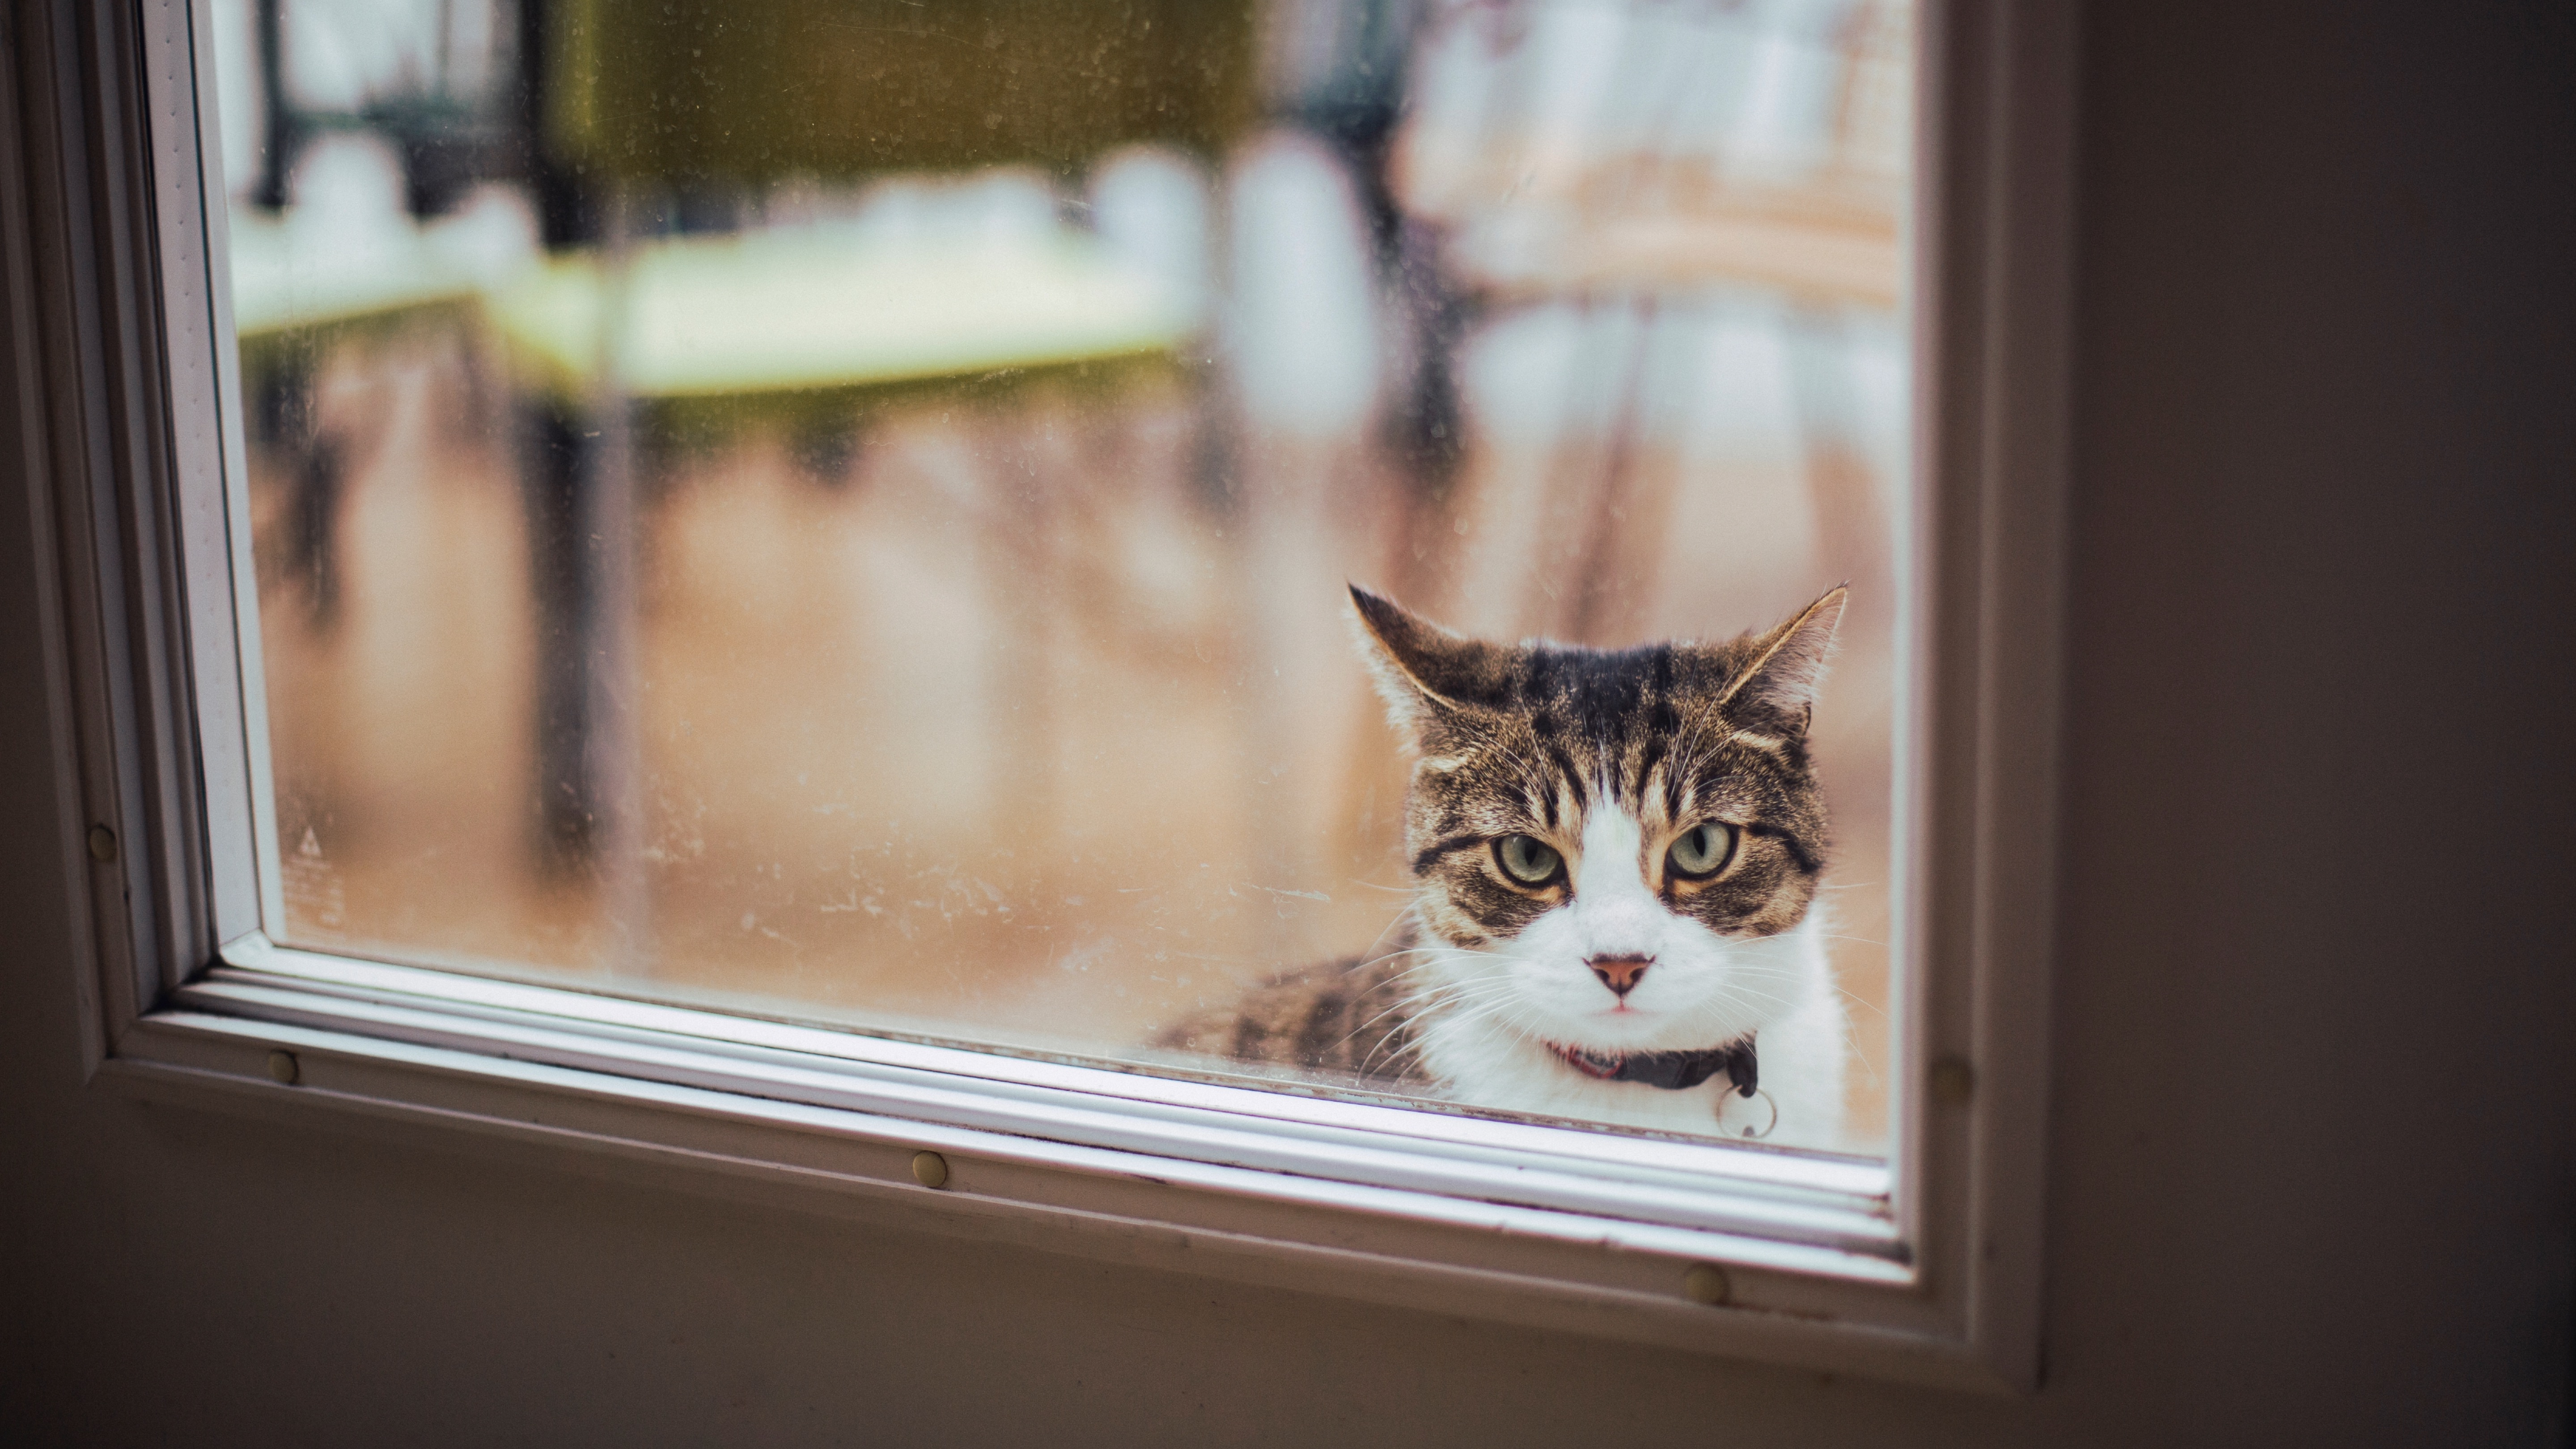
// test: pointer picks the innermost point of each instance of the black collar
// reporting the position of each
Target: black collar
(1672, 1071)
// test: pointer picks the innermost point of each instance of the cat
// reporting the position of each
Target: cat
(1616, 857)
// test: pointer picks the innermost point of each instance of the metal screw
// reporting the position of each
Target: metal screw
(1706, 1283)
(283, 1066)
(1953, 1082)
(102, 845)
(930, 1169)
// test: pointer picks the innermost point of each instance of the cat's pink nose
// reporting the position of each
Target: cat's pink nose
(1620, 973)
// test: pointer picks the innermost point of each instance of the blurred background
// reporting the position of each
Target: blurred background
(839, 508)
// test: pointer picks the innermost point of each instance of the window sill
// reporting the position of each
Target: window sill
(1456, 1215)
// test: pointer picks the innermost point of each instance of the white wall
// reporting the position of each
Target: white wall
(2312, 1162)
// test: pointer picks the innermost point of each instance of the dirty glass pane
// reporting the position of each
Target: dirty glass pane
(842, 508)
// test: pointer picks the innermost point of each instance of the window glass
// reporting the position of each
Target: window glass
(844, 509)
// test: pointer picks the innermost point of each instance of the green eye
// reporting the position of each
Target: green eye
(1527, 860)
(1704, 849)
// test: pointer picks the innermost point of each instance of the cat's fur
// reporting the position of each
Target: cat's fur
(1503, 994)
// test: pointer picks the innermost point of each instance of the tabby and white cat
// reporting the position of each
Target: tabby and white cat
(1616, 856)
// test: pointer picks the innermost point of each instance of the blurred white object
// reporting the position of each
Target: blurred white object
(898, 210)
(1517, 374)
(338, 53)
(1629, 146)
(1004, 208)
(490, 237)
(1785, 126)
(1149, 207)
(237, 89)
(1746, 400)
(1567, 77)
(351, 185)
(1455, 82)
(1303, 325)
(968, 289)
(341, 54)
(345, 248)
(1880, 375)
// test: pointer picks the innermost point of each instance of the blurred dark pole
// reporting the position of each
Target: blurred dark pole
(579, 536)
(553, 478)
(1355, 104)
(1427, 425)
(567, 214)
(577, 481)
(279, 131)
(313, 526)
(281, 385)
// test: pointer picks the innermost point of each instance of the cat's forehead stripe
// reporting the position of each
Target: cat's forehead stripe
(1601, 691)
(1648, 759)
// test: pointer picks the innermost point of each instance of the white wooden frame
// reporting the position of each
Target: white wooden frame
(122, 414)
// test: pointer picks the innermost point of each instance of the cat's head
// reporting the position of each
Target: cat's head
(1611, 843)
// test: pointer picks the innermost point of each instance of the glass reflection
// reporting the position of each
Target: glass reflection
(843, 509)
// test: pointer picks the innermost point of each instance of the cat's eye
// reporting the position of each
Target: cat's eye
(1703, 850)
(1527, 859)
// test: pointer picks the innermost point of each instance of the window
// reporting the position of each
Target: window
(769, 625)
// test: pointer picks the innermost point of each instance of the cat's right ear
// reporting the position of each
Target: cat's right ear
(1789, 662)
(1422, 670)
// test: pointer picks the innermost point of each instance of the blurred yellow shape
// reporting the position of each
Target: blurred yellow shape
(779, 312)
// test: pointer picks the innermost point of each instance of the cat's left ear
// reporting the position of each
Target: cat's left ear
(1789, 662)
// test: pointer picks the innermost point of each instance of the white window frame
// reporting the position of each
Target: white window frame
(121, 389)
